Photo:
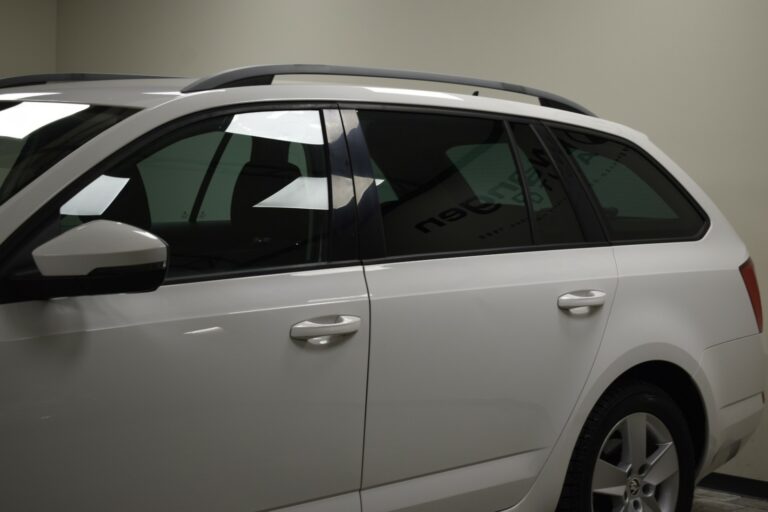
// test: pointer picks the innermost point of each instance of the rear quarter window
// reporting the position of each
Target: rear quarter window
(637, 199)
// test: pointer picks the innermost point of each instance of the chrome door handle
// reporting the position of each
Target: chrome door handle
(581, 298)
(318, 331)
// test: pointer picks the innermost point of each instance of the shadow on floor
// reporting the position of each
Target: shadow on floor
(712, 501)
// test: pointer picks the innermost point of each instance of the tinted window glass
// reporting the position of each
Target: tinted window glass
(555, 221)
(229, 193)
(35, 135)
(447, 184)
(637, 199)
(215, 205)
(173, 175)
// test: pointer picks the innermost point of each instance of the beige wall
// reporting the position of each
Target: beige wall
(690, 73)
(27, 36)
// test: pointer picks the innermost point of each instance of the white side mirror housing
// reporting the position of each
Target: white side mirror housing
(97, 258)
(100, 244)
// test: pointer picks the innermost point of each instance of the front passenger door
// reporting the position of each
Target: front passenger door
(213, 392)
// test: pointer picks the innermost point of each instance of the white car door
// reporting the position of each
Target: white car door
(488, 304)
(222, 390)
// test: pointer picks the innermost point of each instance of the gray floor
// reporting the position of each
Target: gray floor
(711, 501)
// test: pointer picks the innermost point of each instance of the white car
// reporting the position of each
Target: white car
(232, 295)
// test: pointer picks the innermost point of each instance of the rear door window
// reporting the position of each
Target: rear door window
(447, 184)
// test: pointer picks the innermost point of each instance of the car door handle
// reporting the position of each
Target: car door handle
(581, 298)
(318, 331)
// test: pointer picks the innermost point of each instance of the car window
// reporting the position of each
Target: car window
(386, 192)
(229, 193)
(35, 135)
(555, 220)
(172, 176)
(446, 183)
(637, 199)
(485, 168)
(215, 205)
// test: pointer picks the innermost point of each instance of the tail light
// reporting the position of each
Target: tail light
(747, 270)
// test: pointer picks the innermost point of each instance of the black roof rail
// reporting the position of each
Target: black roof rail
(24, 80)
(264, 75)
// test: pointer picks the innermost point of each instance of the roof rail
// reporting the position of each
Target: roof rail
(264, 75)
(24, 80)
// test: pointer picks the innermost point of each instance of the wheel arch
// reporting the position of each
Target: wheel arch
(664, 364)
(683, 389)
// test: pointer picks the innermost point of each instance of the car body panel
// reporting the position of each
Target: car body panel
(133, 93)
(466, 348)
(193, 397)
(489, 485)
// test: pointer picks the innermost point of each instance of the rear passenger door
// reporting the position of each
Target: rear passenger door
(470, 242)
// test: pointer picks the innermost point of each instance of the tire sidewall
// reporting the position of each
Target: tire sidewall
(638, 398)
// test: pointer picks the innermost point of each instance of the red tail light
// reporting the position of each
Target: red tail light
(747, 270)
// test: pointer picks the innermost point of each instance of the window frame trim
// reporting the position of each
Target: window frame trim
(515, 150)
(338, 165)
(370, 227)
(586, 214)
(549, 126)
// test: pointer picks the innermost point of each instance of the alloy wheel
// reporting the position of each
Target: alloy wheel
(637, 468)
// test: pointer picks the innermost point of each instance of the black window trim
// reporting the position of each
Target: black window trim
(515, 150)
(339, 254)
(343, 237)
(587, 213)
(371, 231)
(370, 228)
(548, 126)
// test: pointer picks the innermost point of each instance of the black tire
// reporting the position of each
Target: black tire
(619, 403)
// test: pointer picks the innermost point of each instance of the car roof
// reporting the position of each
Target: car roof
(147, 93)
(133, 93)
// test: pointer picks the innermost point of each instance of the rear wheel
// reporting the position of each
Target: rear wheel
(634, 454)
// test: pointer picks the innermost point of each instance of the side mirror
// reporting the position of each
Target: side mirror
(98, 257)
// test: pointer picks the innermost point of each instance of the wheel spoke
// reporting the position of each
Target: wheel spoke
(635, 431)
(608, 479)
(663, 464)
(637, 469)
(651, 505)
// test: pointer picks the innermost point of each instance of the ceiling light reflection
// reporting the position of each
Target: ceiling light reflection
(302, 193)
(301, 126)
(415, 92)
(209, 330)
(19, 121)
(16, 96)
(96, 197)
